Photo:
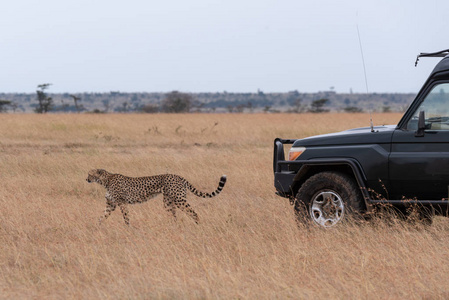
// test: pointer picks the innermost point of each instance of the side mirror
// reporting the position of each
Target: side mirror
(421, 125)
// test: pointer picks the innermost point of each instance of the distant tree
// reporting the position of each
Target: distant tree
(297, 106)
(4, 105)
(125, 106)
(352, 109)
(45, 102)
(77, 106)
(176, 102)
(317, 106)
(386, 109)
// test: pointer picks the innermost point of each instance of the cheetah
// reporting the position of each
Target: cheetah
(122, 190)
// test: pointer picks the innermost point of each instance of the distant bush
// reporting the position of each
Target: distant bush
(150, 108)
(352, 109)
(176, 102)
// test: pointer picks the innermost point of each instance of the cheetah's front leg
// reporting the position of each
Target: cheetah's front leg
(110, 207)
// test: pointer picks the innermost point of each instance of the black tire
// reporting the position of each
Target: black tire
(328, 198)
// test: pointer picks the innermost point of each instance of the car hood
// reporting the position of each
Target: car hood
(379, 135)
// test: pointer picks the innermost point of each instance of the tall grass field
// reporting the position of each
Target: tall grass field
(247, 244)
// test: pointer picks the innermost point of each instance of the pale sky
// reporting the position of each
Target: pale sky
(219, 45)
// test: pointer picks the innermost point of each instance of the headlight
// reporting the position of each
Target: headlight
(295, 152)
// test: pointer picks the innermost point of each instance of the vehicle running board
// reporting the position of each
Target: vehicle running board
(408, 202)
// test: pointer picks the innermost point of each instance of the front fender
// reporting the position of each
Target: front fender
(307, 168)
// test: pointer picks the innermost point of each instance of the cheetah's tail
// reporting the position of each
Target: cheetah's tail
(209, 195)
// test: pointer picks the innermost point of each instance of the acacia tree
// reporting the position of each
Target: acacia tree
(3, 105)
(176, 102)
(77, 106)
(45, 102)
(317, 106)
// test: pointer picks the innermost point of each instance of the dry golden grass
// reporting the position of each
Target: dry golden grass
(247, 244)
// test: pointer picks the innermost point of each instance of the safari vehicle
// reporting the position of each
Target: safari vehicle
(332, 176)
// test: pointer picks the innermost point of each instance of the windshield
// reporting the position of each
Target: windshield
(436, 109)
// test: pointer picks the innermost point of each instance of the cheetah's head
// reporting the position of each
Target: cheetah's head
(97, 175)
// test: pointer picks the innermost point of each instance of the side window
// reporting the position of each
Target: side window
(436, 109)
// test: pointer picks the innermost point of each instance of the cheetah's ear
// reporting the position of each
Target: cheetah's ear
(101, 172)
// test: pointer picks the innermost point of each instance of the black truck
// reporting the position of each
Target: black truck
(332, 176)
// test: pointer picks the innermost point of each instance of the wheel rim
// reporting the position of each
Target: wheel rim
(327, 208)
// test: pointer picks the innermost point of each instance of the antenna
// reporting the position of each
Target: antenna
(363, 58)
(366, 78)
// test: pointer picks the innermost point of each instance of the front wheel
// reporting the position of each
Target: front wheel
(328, 198)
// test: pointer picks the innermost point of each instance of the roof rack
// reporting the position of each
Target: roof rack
(442, 53)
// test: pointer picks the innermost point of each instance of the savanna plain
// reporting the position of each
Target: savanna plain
(247, 244)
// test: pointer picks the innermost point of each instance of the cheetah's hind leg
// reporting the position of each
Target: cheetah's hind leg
(184, 206)
(124, 210)
(169, 206)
